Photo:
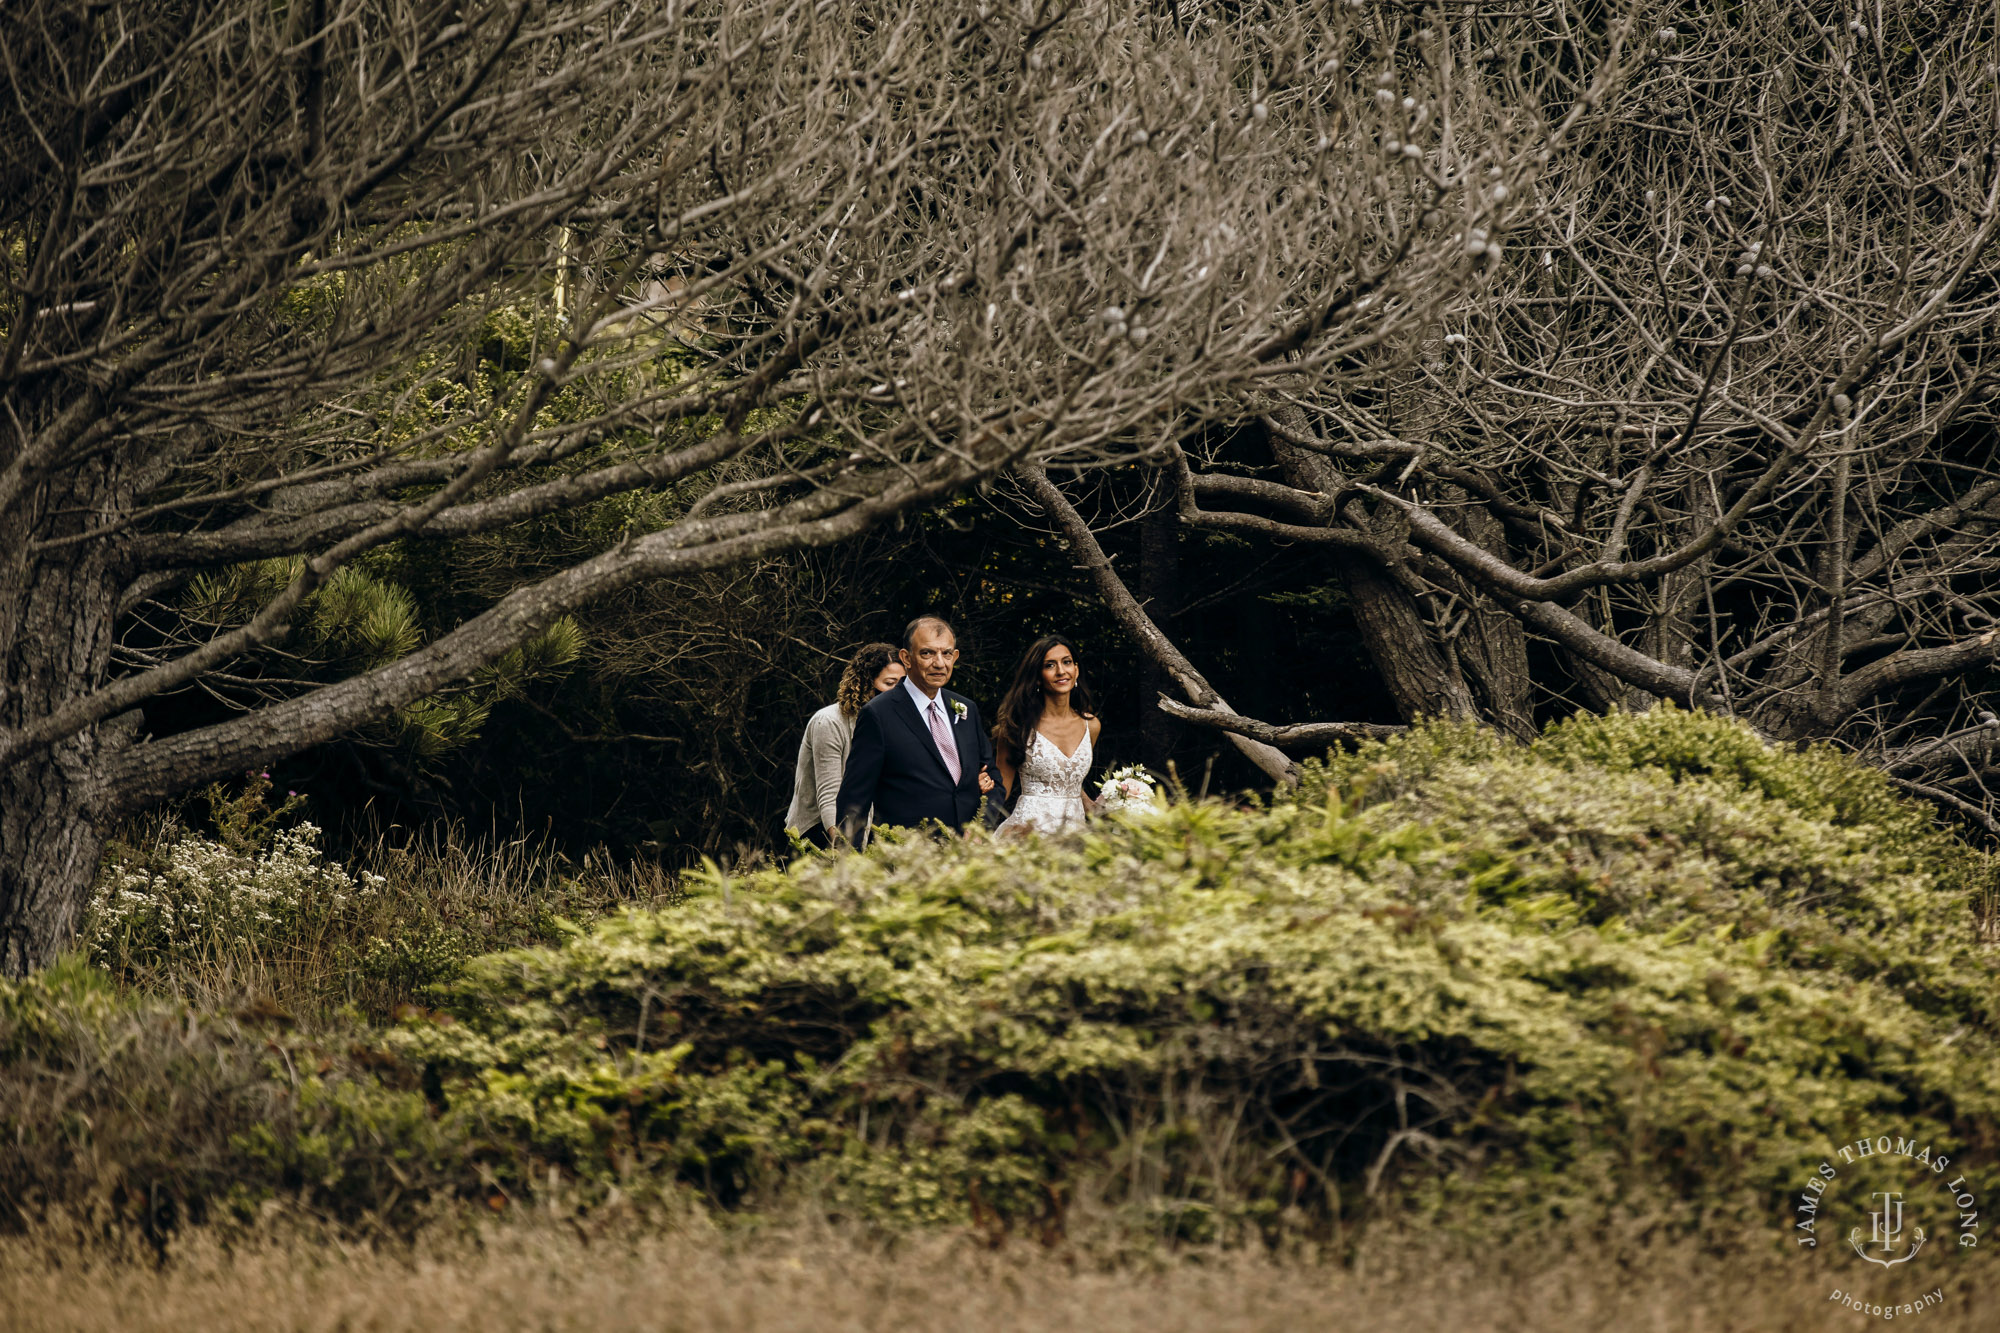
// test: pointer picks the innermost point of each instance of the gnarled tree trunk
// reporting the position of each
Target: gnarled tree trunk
(56, 622)
(1490, 645)
(1421, 679)
(1160, 595)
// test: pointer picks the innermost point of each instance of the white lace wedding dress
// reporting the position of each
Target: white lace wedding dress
(1051, 796)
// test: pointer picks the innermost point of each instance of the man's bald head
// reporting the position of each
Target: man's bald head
(933, 624)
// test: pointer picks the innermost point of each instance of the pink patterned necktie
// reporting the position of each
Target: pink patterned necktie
(947, 748)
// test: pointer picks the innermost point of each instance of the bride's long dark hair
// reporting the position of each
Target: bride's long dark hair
(1021, 707)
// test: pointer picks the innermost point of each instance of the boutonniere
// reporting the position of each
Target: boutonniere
(957, 710)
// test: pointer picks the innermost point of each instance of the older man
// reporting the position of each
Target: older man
(920, 753)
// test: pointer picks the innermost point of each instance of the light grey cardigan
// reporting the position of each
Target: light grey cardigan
(822, 761)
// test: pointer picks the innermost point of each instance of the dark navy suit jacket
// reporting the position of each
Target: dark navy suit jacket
(894, 765)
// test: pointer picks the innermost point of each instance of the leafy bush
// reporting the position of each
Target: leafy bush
(1643, 951)
(1641, 963)
(1816, 781)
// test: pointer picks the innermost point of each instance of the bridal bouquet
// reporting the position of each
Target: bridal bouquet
(1130, 788)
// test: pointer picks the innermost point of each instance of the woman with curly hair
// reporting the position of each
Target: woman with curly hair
(823, 750)
(1044, 737)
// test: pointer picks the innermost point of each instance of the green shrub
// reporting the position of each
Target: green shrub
(1599, 958)
(1817, 781)
(1631, 813)
(1641, 963)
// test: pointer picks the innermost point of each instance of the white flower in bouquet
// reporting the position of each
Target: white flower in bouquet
(1130, 788)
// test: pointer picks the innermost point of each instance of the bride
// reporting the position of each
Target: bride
(1043, 737)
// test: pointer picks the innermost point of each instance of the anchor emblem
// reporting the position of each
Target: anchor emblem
(1886, 1224)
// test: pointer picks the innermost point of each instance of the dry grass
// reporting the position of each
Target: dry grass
(545, 1278)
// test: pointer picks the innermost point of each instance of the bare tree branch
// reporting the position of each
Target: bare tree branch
(1133, 619)
(1297, 736)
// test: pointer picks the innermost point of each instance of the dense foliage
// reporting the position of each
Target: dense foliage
(1643, 958)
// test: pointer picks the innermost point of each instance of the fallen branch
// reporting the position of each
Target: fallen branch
(1949, 801)
(1300, 735)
